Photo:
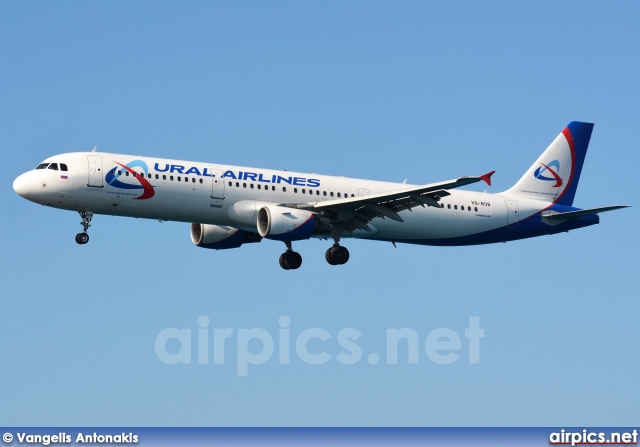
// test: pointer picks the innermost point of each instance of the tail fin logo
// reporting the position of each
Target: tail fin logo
(545, 169)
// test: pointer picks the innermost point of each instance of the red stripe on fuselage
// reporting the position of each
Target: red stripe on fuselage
(148, 190)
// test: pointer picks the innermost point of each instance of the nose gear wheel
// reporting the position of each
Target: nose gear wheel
(83, 238)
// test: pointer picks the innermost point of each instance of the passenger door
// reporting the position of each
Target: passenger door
(96, 179)
(217, 188)
(512, 214)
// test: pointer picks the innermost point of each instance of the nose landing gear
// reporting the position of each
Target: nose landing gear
(83, 238)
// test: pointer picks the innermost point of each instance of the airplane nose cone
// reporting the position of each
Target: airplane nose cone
(22, 186)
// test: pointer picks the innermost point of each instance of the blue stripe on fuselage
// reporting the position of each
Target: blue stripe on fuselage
(530, 227)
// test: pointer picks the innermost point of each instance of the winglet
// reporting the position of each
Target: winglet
(487, 177)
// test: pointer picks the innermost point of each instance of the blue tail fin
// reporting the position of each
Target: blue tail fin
(554, 176)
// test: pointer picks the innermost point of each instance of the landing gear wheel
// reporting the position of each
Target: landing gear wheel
(283, 262)
(290, 260)
(337, 255)
(327, 256)
(82, 238)
(295, 260)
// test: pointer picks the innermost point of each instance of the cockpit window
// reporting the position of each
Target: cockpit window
(63, 167)
(42, 166)
(53, 166)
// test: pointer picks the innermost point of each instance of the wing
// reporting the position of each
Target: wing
(357, 212)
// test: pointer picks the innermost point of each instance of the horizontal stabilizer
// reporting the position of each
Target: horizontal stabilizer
(554, 218)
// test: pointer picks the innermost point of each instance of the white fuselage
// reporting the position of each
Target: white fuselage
(205, 193)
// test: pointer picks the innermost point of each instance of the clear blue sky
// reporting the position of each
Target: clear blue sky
(383, 90)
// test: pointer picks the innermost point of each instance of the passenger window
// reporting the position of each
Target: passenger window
(449, 206)
(317, 192)
(42, 166)
(244, 185)
(63, 167)
(476, 209)
(230, 183)
(53, 166)
(251, 185)
(127, 173)
(324, 193)
(284, 189)
(273, 188)
(331, 193)
(455, 207)
(304, 191)
(157, 176)
(295, 189)
(338, 194)
(200, 180)
(179, 179)
(171, 177)
(237, 185)
(259, 187)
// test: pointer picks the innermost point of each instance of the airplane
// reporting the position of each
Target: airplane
(229, 206)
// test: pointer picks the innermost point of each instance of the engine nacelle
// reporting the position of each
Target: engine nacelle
(288, 224)
(244, 214)
(220, 238)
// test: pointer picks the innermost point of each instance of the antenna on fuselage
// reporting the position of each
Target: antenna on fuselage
(95, 149)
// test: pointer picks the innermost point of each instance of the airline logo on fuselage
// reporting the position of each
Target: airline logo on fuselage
(239, 175)
(114, 174)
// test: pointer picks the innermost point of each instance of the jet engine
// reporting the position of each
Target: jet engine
(289, 224)
(221, 237)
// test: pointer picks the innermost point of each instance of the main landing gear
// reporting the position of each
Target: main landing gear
(83, 238)
(336, 255)
(290, 260)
